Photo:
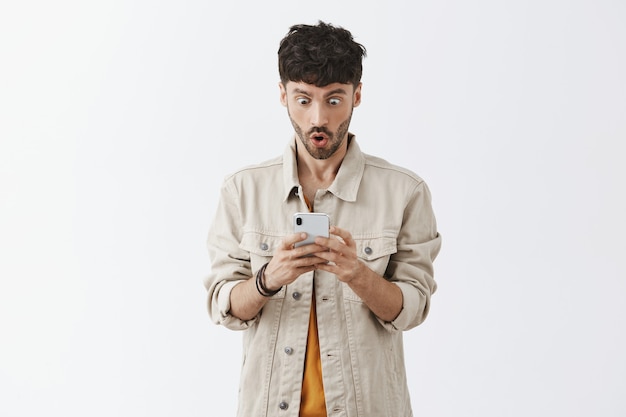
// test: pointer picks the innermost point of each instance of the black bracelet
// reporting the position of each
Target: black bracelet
(260, 285)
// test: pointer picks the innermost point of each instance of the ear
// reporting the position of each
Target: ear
(283, 94)
(356, 98)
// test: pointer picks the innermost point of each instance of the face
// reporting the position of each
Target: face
(320, 115)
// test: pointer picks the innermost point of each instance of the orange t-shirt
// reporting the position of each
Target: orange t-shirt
(313, 402)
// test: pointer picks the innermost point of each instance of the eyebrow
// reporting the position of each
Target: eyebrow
(330, 93)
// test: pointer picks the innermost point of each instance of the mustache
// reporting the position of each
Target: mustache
(321, 129)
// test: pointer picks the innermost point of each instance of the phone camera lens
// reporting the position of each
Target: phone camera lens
(299, 221)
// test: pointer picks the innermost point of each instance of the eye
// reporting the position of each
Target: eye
(334, 101)
(302, 100)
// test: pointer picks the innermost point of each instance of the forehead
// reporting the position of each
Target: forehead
(313, 90)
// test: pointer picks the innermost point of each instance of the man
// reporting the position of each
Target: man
(322, 322)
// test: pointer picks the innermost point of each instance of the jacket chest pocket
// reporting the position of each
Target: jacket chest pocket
(261, 247)
(375, 253)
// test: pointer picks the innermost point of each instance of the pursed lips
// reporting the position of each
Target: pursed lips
(319, 139)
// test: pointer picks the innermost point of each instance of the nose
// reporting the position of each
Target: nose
(319, 115)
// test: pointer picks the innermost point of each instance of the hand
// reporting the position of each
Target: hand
(289, 263)
(341, 255)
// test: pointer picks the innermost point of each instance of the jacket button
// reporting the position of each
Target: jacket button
(288, 350)
(368, 250)
(283, 405)
(296, 295)
(264, 246)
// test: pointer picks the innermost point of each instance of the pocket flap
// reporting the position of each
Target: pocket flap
(375, 247)
(259, 243)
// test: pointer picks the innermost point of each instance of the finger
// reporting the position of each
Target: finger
(329, 267)
(329, 256)
(335, 244)
(331, 245)
(290, 240)
(308, 250)
(314, 260)
(343, 234)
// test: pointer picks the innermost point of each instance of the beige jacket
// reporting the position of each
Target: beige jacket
(388, 211)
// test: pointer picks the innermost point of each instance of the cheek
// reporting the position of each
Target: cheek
(298, 116)
(343, 114)
(343, 120)
(295, 122)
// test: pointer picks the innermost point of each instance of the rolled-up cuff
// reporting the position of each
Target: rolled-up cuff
(413, 309)
(221, 306)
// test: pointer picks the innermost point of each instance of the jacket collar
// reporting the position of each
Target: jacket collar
(346, 183)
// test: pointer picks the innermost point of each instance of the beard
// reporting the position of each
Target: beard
(335, 139)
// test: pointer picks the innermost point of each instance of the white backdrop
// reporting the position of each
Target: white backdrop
(119, 119)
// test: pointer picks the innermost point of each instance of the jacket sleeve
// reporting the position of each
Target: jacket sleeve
(230, 265)
(411, 267)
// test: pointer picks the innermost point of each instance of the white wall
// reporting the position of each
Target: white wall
(119, 119)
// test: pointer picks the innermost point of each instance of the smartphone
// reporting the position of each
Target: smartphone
(313, 224)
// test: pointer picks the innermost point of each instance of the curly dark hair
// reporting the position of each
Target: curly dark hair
(320, 55)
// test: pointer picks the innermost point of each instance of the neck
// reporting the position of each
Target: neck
(321, 171)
